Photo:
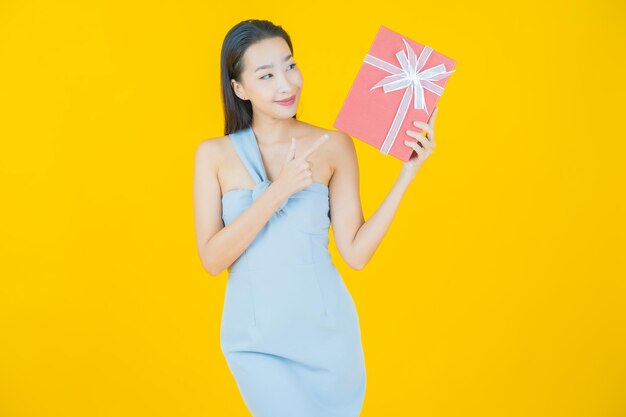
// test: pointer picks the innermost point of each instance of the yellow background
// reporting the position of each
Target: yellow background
(498, 291)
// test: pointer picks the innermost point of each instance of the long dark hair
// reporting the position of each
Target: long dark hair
(238, 112)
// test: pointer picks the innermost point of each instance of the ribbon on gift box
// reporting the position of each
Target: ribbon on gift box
(411, 78)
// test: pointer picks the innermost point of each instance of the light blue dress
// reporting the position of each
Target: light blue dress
(290, 330)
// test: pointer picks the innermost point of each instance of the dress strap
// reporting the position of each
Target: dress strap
(247, 148)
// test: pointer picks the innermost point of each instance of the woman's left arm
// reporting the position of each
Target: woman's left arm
(357, 239)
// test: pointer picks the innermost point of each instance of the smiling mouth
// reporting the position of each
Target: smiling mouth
(287, 100)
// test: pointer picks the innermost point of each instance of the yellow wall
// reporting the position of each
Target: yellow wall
(498, 291)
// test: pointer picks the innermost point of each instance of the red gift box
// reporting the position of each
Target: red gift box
(400, 81)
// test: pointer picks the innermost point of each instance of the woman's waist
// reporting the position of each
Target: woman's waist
(247, 264)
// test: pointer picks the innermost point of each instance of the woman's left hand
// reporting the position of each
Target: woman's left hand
(423, 146)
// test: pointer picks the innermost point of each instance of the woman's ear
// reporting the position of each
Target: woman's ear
(238, 89)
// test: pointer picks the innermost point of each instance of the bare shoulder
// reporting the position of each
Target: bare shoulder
(212, 144)
(210, 151)
(339, 148)
(342, 143)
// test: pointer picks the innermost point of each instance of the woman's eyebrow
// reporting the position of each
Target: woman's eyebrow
(271, 65)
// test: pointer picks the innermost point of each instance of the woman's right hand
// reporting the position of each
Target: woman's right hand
(296, 173)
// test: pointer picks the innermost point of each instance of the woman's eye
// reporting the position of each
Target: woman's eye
(263, 77)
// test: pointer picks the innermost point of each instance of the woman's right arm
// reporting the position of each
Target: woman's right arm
(219, 246)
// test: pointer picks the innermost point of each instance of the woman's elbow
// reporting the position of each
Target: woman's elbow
(352, 261)
(212, 268)
(355, 264)
(209, 266)
(357, 267)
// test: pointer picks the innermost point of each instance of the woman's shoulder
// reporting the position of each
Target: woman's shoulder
(338, 149)
(338, 138)
(213, 145)
(211, 151)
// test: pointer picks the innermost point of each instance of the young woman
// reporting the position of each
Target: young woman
(264, 197)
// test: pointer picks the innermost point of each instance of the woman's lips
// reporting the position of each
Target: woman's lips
(287, 102)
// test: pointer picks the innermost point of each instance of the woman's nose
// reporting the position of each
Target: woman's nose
(284, 84)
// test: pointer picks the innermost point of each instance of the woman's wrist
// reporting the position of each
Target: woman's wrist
(405, 179)
(276, 195)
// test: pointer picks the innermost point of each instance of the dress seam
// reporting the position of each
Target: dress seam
(316, 277)
(245, 254)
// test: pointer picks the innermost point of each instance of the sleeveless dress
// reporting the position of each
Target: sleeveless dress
(290, 331)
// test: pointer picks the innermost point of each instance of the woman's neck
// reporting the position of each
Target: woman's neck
(275, 130)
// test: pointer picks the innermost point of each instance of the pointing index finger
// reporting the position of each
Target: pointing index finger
(316, 145)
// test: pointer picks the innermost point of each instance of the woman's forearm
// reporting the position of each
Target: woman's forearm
(371, 233)
(231, 241)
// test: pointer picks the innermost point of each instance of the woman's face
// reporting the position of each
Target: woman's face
(270, 74)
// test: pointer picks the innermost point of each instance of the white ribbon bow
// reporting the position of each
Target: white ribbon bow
(410, 77)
